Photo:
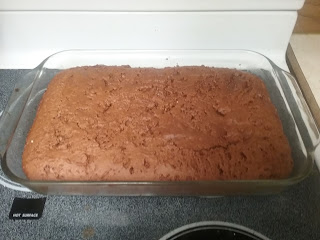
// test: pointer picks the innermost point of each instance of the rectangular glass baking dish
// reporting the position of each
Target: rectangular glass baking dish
(284, 91)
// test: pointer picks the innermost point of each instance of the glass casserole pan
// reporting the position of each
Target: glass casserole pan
(298, 124)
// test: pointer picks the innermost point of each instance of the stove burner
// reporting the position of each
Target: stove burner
(213, 231)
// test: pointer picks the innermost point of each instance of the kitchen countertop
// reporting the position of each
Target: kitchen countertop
(292, 214)
(306, 48)
(308, 17)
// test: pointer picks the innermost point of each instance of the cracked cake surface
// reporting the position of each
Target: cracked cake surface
(108, 123)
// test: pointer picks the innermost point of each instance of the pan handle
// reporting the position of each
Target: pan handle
(9, 120)
(301, 113)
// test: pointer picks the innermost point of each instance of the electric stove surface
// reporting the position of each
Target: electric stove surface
(292, 214)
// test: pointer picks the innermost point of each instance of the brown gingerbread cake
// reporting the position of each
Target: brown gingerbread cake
(108, 123)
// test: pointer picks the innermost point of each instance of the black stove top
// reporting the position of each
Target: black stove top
(293, 214)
